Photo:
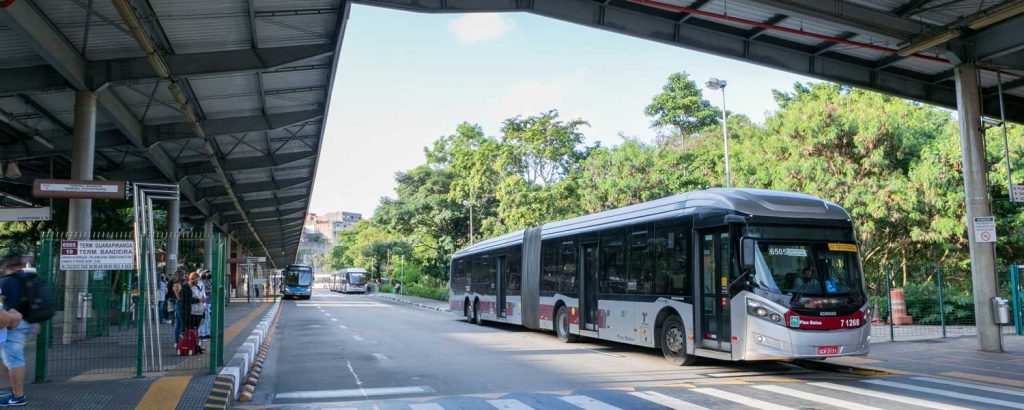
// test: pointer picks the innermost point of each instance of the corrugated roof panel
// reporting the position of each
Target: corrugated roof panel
(225, 85)
(194, 26)
(923, 66)
(279, 31)
(295, 101)
(15, 52)
(296, 79)
(796, 38)
(106, 41)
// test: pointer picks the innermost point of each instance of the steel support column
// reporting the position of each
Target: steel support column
(208, 243)
(83, 153)
(173, 235)
(975, 168)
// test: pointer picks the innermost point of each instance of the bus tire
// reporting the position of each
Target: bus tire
(673, 342)
(562, 327)
(476, 313)
(465, 311)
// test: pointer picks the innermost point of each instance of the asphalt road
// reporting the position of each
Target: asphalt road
(360, 351)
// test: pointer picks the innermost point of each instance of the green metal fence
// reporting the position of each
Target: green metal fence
(930, 305)
(100, 327)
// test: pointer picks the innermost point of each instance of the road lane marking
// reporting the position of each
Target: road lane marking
(314, 326)
(509, 404)
(1000, 390)
(357, 337)
(588, 403)
(343, 326)
(666, 400)
(986, 379)
(939, 392)
(328, 314)
(334, 319)
(746, 401)
(814, 397)
(425, 406)
(887, 396)
(380, 356)
(379, 391)
(604, 353)
(356, 376)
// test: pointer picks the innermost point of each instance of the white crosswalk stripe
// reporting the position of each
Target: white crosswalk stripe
(588, 403)
(945, 393)
(667, 401)
(887, 396)
(814, 397)
(1000, 390)
(744, 400)
(509, 404)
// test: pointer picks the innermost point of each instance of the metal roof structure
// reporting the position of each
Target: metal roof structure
(256, 75)
(906, 48)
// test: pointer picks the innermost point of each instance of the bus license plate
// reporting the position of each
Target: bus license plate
(826, 350)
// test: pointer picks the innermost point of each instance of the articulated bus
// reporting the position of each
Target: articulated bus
(298, 281)
(731, 274)
(353, 280)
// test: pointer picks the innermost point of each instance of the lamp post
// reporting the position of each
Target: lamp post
(716, 84)
(470, 205)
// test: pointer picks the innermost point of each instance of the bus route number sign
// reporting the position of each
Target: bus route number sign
(97, 255)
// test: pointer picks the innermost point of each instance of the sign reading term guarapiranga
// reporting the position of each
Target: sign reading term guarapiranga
(984, 229)
(97, 255)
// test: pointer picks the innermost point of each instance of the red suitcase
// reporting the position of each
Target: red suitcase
(188, 345)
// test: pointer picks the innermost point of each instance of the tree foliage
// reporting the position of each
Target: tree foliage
(681, 107)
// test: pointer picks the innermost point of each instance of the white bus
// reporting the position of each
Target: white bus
(731, 274)
(353, 280)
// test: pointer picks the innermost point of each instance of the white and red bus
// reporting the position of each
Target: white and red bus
(732, 274)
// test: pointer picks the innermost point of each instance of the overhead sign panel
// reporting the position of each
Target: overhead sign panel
(79, 189)
(25, 214)
(97, 255)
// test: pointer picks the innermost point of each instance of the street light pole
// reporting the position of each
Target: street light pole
(716, 84)
(470, 205)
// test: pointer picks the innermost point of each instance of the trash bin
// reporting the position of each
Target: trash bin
(1001, 310)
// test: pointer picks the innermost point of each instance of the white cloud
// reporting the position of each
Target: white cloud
(479, 27)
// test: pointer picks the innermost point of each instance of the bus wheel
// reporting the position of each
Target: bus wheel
(562, 327)
(465, 311)
(673, 342)
(476, 313)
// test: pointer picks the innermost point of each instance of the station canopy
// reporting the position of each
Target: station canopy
(258, 74)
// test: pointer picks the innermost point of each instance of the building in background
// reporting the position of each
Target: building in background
(321, 232)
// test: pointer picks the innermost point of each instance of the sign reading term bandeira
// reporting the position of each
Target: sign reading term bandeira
(97, 255)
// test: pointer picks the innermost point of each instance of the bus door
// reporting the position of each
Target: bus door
(715, 255)
(588, 286)
(502, 281)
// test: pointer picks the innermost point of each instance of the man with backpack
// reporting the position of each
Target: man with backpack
(22, 295)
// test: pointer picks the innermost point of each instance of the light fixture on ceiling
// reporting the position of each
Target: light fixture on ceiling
(13, 171)
(996, 15)
(928, 41)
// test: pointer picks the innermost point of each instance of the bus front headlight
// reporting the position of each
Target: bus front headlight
(760, 310)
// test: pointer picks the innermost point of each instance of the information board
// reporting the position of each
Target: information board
(985, 229)
(97, 255)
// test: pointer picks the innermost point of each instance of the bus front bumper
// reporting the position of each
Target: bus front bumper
(764, 340)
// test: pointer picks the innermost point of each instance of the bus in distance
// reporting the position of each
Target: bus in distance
(353, 280)
(298, 281)
(730, 274)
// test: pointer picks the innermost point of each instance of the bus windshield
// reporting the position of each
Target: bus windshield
(804, 272)
(356, 278)
(299, 277)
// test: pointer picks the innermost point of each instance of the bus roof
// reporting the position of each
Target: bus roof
(352, 270)
(752, 202)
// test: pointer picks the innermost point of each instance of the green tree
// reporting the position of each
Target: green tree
(681, 107)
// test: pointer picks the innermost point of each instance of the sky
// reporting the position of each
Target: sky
(404, 79)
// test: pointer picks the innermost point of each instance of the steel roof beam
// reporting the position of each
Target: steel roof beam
(757, 31)
(233, 125)
(25, 18)
(850, 15)
(253, 187)
(247, 163)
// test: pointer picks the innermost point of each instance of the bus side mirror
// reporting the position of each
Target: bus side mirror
(747, 253)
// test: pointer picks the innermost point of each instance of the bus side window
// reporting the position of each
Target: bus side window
(612, 268)
(549, 263)
(641, 270)
(514, 265)
(567, 267)
(672, 273)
